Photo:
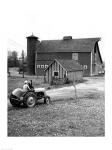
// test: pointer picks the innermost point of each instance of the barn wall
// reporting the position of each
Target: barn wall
(73, 76)
(40, 69)
(84, 59)
(54, 55)
(47, 58)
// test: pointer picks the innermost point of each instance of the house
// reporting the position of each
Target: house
(85, 51)
(60, 69)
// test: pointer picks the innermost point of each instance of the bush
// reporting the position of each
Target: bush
(59, 81)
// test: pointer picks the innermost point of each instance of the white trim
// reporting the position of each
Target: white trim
(55, 60)
(85, 67)
(38, 66)
(66, 73)
(91, 73)
(49, 65)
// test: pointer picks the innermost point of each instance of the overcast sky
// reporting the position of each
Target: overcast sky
(53, 19)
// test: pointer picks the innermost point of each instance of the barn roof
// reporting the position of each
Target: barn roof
(68, 65)
(71, 45)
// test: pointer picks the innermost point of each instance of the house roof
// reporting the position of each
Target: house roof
(68, 65)
(72, 45)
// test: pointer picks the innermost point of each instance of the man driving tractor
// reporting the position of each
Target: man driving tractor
(28, 96)
(27, 86)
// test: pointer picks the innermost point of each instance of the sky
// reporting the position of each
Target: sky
(53, 19)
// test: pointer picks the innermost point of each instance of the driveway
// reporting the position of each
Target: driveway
(91, 84)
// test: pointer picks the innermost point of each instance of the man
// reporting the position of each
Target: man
(26, 86)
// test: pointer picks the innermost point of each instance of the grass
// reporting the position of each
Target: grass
(61, 118)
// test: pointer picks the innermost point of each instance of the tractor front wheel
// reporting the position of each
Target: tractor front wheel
(47, 100)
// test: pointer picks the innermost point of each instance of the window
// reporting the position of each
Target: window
(75, 56)
(46, 66)
(42, 66)
(56, 73)
(85, 67)
(38, 66)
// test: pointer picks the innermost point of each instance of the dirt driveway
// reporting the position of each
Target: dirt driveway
(91, 84)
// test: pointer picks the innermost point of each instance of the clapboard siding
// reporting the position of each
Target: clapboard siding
(71, 75)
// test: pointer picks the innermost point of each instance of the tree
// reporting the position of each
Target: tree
(13, 59)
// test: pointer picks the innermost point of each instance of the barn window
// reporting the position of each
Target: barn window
(85, 66)
(56, 73)
(38, 66)
(42, 66)
(46, 66)
(75, 56)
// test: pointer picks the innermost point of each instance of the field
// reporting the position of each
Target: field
(65, 116)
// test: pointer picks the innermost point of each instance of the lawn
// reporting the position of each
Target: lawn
(67, 116)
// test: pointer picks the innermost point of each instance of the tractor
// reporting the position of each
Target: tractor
(29, 98)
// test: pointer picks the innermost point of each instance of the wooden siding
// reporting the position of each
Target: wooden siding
(47, 58)
(85, 59)
(40, 71)
(77, 75)
(54, 67)
(54, 55)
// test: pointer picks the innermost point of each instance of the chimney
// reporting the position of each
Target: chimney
(67, 38)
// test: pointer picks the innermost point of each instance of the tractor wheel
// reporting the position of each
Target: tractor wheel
(47, 100)
(30, 100)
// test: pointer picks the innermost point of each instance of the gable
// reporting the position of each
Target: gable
(68, 65)
(98, 55)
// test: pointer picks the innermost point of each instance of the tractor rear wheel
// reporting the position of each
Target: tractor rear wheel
(14, 101)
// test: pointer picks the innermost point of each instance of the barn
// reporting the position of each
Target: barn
(61, 69)
(85, 51)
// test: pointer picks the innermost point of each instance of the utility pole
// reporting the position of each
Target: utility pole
(74, 84)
